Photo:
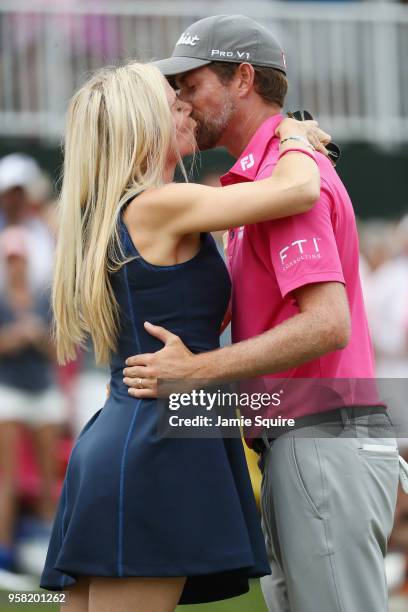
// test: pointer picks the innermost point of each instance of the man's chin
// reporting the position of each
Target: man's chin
(206, 143)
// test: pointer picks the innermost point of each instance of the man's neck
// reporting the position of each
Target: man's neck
(244, 125)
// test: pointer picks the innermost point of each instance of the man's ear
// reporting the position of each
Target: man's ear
(245, 76)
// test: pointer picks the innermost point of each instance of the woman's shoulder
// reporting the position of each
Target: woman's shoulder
(158, 204)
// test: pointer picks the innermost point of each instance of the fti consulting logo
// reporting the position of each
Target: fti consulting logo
(300, 250)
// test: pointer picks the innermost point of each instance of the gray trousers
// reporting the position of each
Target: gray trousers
(328, 500)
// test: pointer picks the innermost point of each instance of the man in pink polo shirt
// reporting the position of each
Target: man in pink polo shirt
(329, 486)
(269, 262)
(320, 246)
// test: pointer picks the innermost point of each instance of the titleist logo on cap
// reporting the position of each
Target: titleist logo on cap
(188, 39)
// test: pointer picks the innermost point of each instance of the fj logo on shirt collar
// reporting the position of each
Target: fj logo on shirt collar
(188, 39)
(247, 162)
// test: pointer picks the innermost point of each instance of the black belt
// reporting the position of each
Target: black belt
(331, 416)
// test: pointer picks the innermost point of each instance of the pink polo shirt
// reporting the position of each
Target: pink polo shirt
(269, 260)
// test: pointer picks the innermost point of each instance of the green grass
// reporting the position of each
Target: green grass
(251, 602)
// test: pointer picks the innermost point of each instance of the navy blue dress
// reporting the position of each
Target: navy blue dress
(135, 504)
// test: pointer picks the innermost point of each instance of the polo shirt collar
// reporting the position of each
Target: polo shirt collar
(248, 163)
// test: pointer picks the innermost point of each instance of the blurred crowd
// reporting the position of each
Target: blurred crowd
(43, 407)
(384, 276)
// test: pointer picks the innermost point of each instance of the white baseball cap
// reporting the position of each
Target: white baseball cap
(17, 170)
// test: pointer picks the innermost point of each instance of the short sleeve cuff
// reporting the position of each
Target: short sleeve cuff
(309, 279)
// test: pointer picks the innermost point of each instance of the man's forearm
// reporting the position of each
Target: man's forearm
(300, 339)
(321, 326)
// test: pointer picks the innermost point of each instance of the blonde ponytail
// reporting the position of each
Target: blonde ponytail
(118, 134)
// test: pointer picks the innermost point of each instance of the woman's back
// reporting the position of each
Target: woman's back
(189, 299)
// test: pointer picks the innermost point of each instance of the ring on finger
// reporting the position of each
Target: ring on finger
(140, 383)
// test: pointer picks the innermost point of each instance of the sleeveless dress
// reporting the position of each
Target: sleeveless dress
(135, 504)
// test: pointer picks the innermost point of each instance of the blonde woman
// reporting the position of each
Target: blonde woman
(145, 522)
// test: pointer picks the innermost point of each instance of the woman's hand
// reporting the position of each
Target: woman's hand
(305, 129)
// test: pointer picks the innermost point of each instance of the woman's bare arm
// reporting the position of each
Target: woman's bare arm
(187, 208)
